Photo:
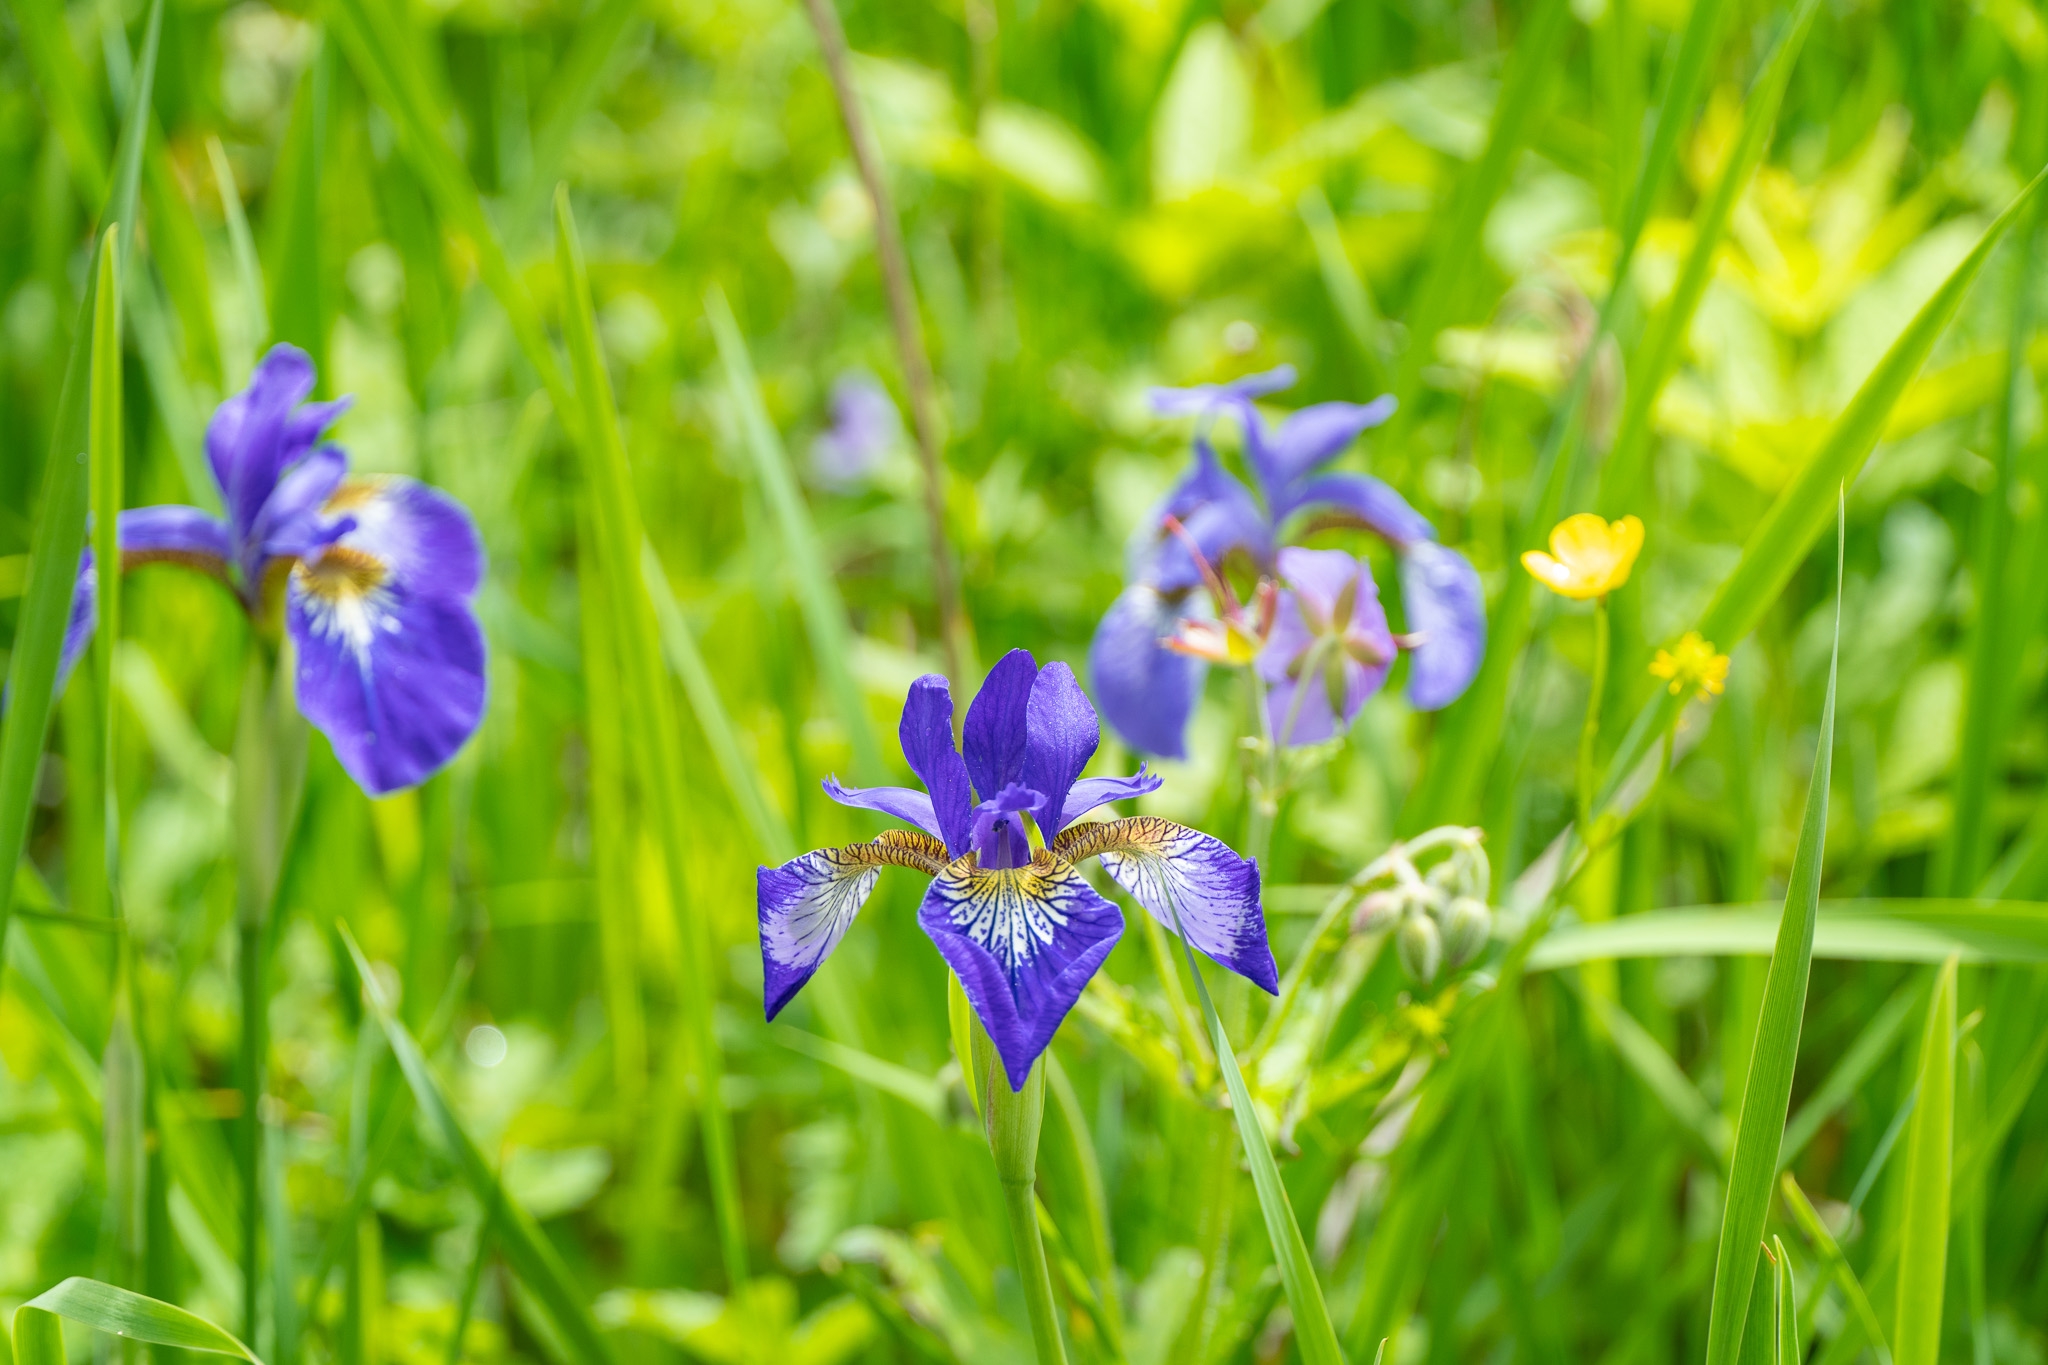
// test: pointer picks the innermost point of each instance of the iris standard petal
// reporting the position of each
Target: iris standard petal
(926, 733)
(292, 522)
(901, 802)
(1165, 866)
(1146, 691)
(1446, 606)
(806, 904)
(167, 534)
(256, 434)
(1370, 502)
(999, 836)
(1217, 513)
(1063, 735)
(1023, 941)
(1200, 398)
(1091, 792)
(992, 738)
(1309, 438)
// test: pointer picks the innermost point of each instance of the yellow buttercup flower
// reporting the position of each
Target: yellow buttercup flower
(1692, 664)
(1589, 556)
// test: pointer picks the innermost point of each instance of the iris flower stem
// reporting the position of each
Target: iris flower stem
(1011, 1119)
(1591, 730)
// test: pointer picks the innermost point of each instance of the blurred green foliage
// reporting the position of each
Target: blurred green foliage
(1097, 196)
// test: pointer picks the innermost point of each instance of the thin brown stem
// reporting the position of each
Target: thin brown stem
(910, 348)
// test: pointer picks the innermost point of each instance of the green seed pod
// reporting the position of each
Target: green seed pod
(1421, 948)
(1377, 912)
(1467, 924)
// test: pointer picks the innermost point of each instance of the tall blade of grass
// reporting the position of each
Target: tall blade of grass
(1930, 1154)
(1779, 544)
(824, 612)
(1314, 1335)
(1852, 931)
(136, 1317)
(1994, 643)
(1346, 287)
(248, 268)
(38, 1337)
(60, 526)
(1833, 1263)
(651, 707)
(742, 779)
(1656, 356)
(1787, 1340)
(298, 309)
(526, 1248)
(1660, 1075)
(1524, 89)
(1759, 1131)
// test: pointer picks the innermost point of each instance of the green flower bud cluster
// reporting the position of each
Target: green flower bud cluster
(1433, 900)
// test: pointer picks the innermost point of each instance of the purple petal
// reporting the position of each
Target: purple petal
(394, 677)
(901, 802)
(1064, 735)
(1370, 502)
(1091, 792)
(425, 537)
(1309, 438)
(805, 908)
(1217, 512)
(257, 433)
(291, 522)
(992, 739)
(999, 837)
(1309, 722)
(926, 733)
(167, 534)
(1167, 866)
(1446, 606)
(1321, 576)
(1202, 398)
(1023, 942)
(864, 425)
(1146, 691)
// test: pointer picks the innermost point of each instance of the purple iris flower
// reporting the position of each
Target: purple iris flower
(1147, 691)
(1330, 648)
(1012, 917)
(377, 577)
(864, 426)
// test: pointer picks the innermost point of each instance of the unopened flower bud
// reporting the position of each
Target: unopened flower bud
(1467, 924)
(1421, 948)
(1376, 913)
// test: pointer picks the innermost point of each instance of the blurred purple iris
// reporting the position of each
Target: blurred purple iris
(864, 428)
(1013, 917)
(378, 577)
(1148, 691)
(1329, 649)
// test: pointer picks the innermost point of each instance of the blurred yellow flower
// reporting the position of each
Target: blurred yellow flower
(1589, 557)
(1692, 664)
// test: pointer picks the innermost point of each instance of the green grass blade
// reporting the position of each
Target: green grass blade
(1780, 542)
(1833, 1262)
(103, 450)
(1346, 287)
(742, 779)
(526, 1248)
(1683, 84)
(1872, 1046)
(1849, 931)
(1930, 1155)
(1524, 90)
(248, 267)
(1759, 1131)
(824, 612)
(38, 1337)
(60, 528)
(1657, 355)
(650, 707)
(1315, 1337)
(123, 1313)
(1660, 1075)
(1787, 1339)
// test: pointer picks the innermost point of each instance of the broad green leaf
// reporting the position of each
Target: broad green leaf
(1930, 1154)
(532, 1257)
(1315, 1337)
(60, 525)
(123, 1313)
(1760, 1128)
(650, 710)
(1657, 355)
(1854, 931)
(1780, 542)
(824, 612)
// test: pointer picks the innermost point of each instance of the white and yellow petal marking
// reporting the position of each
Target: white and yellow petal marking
(347, 597)
(1023, 941)
(1167, 867)
(807, 904)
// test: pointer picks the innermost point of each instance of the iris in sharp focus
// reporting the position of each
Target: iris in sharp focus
(997, 834)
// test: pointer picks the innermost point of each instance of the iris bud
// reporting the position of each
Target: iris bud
(1377, 912)
(1421, 948)
(1467, 924)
